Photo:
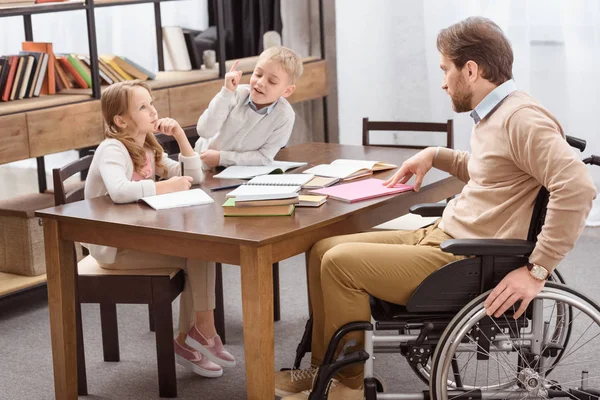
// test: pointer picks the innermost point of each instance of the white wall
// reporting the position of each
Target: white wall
(388, 64)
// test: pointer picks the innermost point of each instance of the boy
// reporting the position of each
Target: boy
(248, 124)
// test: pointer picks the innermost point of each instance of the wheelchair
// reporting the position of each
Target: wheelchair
(457, 350)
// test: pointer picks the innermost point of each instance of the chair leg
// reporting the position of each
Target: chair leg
(276, 299)
(165, 352)
(110, 331)
(151, 317)
(81, 373)
(219, 306)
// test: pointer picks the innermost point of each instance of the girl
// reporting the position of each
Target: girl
(124, 167)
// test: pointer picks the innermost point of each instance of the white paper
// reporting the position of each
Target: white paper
(184, 198)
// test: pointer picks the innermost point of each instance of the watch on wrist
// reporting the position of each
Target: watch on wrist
(538, 272)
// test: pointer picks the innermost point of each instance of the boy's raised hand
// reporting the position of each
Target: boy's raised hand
(168, 126)
(233, 77)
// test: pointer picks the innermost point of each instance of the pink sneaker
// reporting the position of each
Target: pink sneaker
(194, 361)
(210, 348)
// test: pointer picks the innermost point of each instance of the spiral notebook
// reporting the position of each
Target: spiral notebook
(281, 180)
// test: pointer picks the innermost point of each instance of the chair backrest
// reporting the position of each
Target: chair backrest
(60, 175)
(368, 126)
(540, 207)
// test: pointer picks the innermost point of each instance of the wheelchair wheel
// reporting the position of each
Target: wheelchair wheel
(563, 315)
(504, 358)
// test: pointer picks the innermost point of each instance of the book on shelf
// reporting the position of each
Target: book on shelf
(16, 86)
(72, 73)
(194, 53)
(36, 66)
(6, 3)
(4, 70)
(80, 68)
(250, 171)
(349, 169)
(230, 210)
(361, 190)
(65, 83)
(49, 84)
(176, 48)
(25, 80)
(39, 74)
(13, 62)
(251, 192)
(149, 74)
(120, 65)
(109, 59)
(309, 200)
(109, 71)
(184, 198)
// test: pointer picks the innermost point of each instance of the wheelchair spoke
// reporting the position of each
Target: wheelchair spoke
(573, 351)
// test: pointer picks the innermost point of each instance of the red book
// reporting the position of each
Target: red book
(13, 62)
(49, 86)
(68, 67)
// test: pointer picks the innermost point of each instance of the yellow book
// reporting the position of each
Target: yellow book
(119, 70)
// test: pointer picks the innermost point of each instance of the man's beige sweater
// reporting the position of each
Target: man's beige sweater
(515, 150)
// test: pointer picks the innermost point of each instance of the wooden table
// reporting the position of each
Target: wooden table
(203, 232)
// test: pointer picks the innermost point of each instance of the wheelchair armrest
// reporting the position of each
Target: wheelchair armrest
(488, 247)
(428, 209)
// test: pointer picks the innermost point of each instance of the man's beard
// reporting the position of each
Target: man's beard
(461, 100)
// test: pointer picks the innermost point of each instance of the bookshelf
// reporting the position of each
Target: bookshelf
(35, 127)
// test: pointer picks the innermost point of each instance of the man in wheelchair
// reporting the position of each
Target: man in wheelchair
(524, 205)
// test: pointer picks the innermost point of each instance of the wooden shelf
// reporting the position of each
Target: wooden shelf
(51, 124)
(36, 103)
(9, 10)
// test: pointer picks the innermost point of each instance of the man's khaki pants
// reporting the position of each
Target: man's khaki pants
(199, 289)
(344, 270)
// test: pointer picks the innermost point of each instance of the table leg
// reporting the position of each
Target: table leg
(257, 306)
(60, 264)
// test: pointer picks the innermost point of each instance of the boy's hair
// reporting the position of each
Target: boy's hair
(481, 40)
(289, 60)
(115, 101)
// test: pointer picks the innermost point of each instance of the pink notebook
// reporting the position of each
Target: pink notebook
(361, 190)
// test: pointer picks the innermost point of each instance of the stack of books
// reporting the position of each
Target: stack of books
(37, 70)
(257, 200)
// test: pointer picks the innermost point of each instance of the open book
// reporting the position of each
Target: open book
(184, 198)
(250, 171)
(349, 169)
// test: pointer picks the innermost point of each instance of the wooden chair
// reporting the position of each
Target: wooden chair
(408, 221)
(155, 287)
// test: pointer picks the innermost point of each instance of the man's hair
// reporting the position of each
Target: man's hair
(480, 40)
(289, 60)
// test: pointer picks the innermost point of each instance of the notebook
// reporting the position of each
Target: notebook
(230, 210)
(320, 182)
(281, 180)
(256, 192)
(250, 171)
(361, 190)
(185, 198)
(349, 169)
(308, 200)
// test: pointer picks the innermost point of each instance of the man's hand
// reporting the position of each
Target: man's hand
(418, 165)
(232, 78)
(169, 127)
(517, 285)
(211, 157)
